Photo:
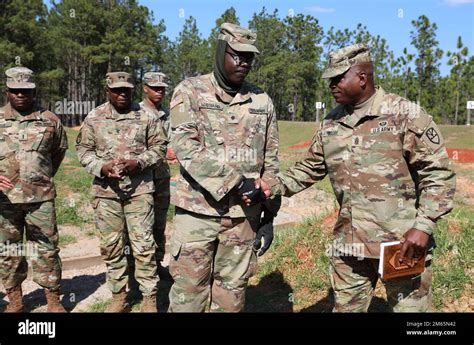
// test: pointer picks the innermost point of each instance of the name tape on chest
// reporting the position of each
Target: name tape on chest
(212, 106)
(382, 129)
(258, 111)
(327, 132)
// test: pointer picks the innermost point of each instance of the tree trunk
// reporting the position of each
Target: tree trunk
(456, 112)
(295, 102)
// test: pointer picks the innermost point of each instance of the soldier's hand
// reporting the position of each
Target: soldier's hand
(259, 183)
(112, 170)
(249, 193)
(414, 243)
(5, 183)
(265, 192)
(129, 166)
(264, 237)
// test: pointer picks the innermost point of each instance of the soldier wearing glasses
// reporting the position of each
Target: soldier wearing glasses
(224, 135)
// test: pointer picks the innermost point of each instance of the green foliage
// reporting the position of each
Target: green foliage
(99, 306)
(64, 240)
(73, 45)
(454, 256)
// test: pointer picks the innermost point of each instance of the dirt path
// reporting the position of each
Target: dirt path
(83, 281)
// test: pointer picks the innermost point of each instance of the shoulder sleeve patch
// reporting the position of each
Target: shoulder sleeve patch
(432, 137)
(180, 111)
(419, 124)
(176, 100)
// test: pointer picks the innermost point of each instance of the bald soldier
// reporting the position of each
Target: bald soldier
(224, 136)
(120, 145)
(392, 178)
(154, 91)
(32, 146)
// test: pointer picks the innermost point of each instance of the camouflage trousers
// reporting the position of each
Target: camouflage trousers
(212, 261)
(162, 203)
(38, 220)
(111, 216)
(353, 281)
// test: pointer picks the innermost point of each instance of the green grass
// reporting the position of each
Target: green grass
(453, 256)
(459, 137)
(292, 133)
(99, 306)
(296, 265)
(64, 240)
(73, 185)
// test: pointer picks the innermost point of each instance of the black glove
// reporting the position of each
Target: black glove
(264, 237)
(246, 187)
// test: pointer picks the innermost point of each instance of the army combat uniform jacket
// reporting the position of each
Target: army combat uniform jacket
(106, 135)
(31, 149)
(217, 140)
(389, 169)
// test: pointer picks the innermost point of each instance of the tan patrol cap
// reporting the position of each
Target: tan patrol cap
(155, 79)
(20, 78)
(342, 59)
(239, 38)
(119, 79)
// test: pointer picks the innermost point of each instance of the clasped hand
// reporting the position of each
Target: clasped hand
(119, 168)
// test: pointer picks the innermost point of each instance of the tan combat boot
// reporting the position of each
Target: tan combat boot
(149, 304)
(15, 295)
(52, 297)
(119, 302)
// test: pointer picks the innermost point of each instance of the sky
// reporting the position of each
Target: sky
(390, 19)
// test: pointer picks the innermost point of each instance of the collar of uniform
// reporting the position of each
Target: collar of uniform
(112, 113)
(376, 109)
(150, 106)
(13, 114)
(351, 119)
(242, 95)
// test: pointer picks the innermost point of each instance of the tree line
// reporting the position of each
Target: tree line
(72, 45)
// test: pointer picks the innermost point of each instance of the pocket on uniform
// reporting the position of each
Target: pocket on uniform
(95, 203)
(37, 137)
(257, 128)
(252, 267)
(175, 247)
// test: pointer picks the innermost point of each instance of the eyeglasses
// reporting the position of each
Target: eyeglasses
(22, 91)
(240, 60)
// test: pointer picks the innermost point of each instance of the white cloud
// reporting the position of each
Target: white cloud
(320, 9)
(458, 2)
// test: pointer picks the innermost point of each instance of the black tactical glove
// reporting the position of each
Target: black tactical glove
(264, 237)
(246, 187)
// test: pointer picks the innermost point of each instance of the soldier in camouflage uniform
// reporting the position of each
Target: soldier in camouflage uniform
(224, 132)
(32, 146)
(392, 178)
(154, 93)
(120, 145)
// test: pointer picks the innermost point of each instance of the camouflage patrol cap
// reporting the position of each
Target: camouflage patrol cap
(155, 79)
(20, 78)
(342, 59)
(239, 38)
(119, 79)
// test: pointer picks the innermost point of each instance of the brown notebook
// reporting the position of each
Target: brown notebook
(390, 267)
